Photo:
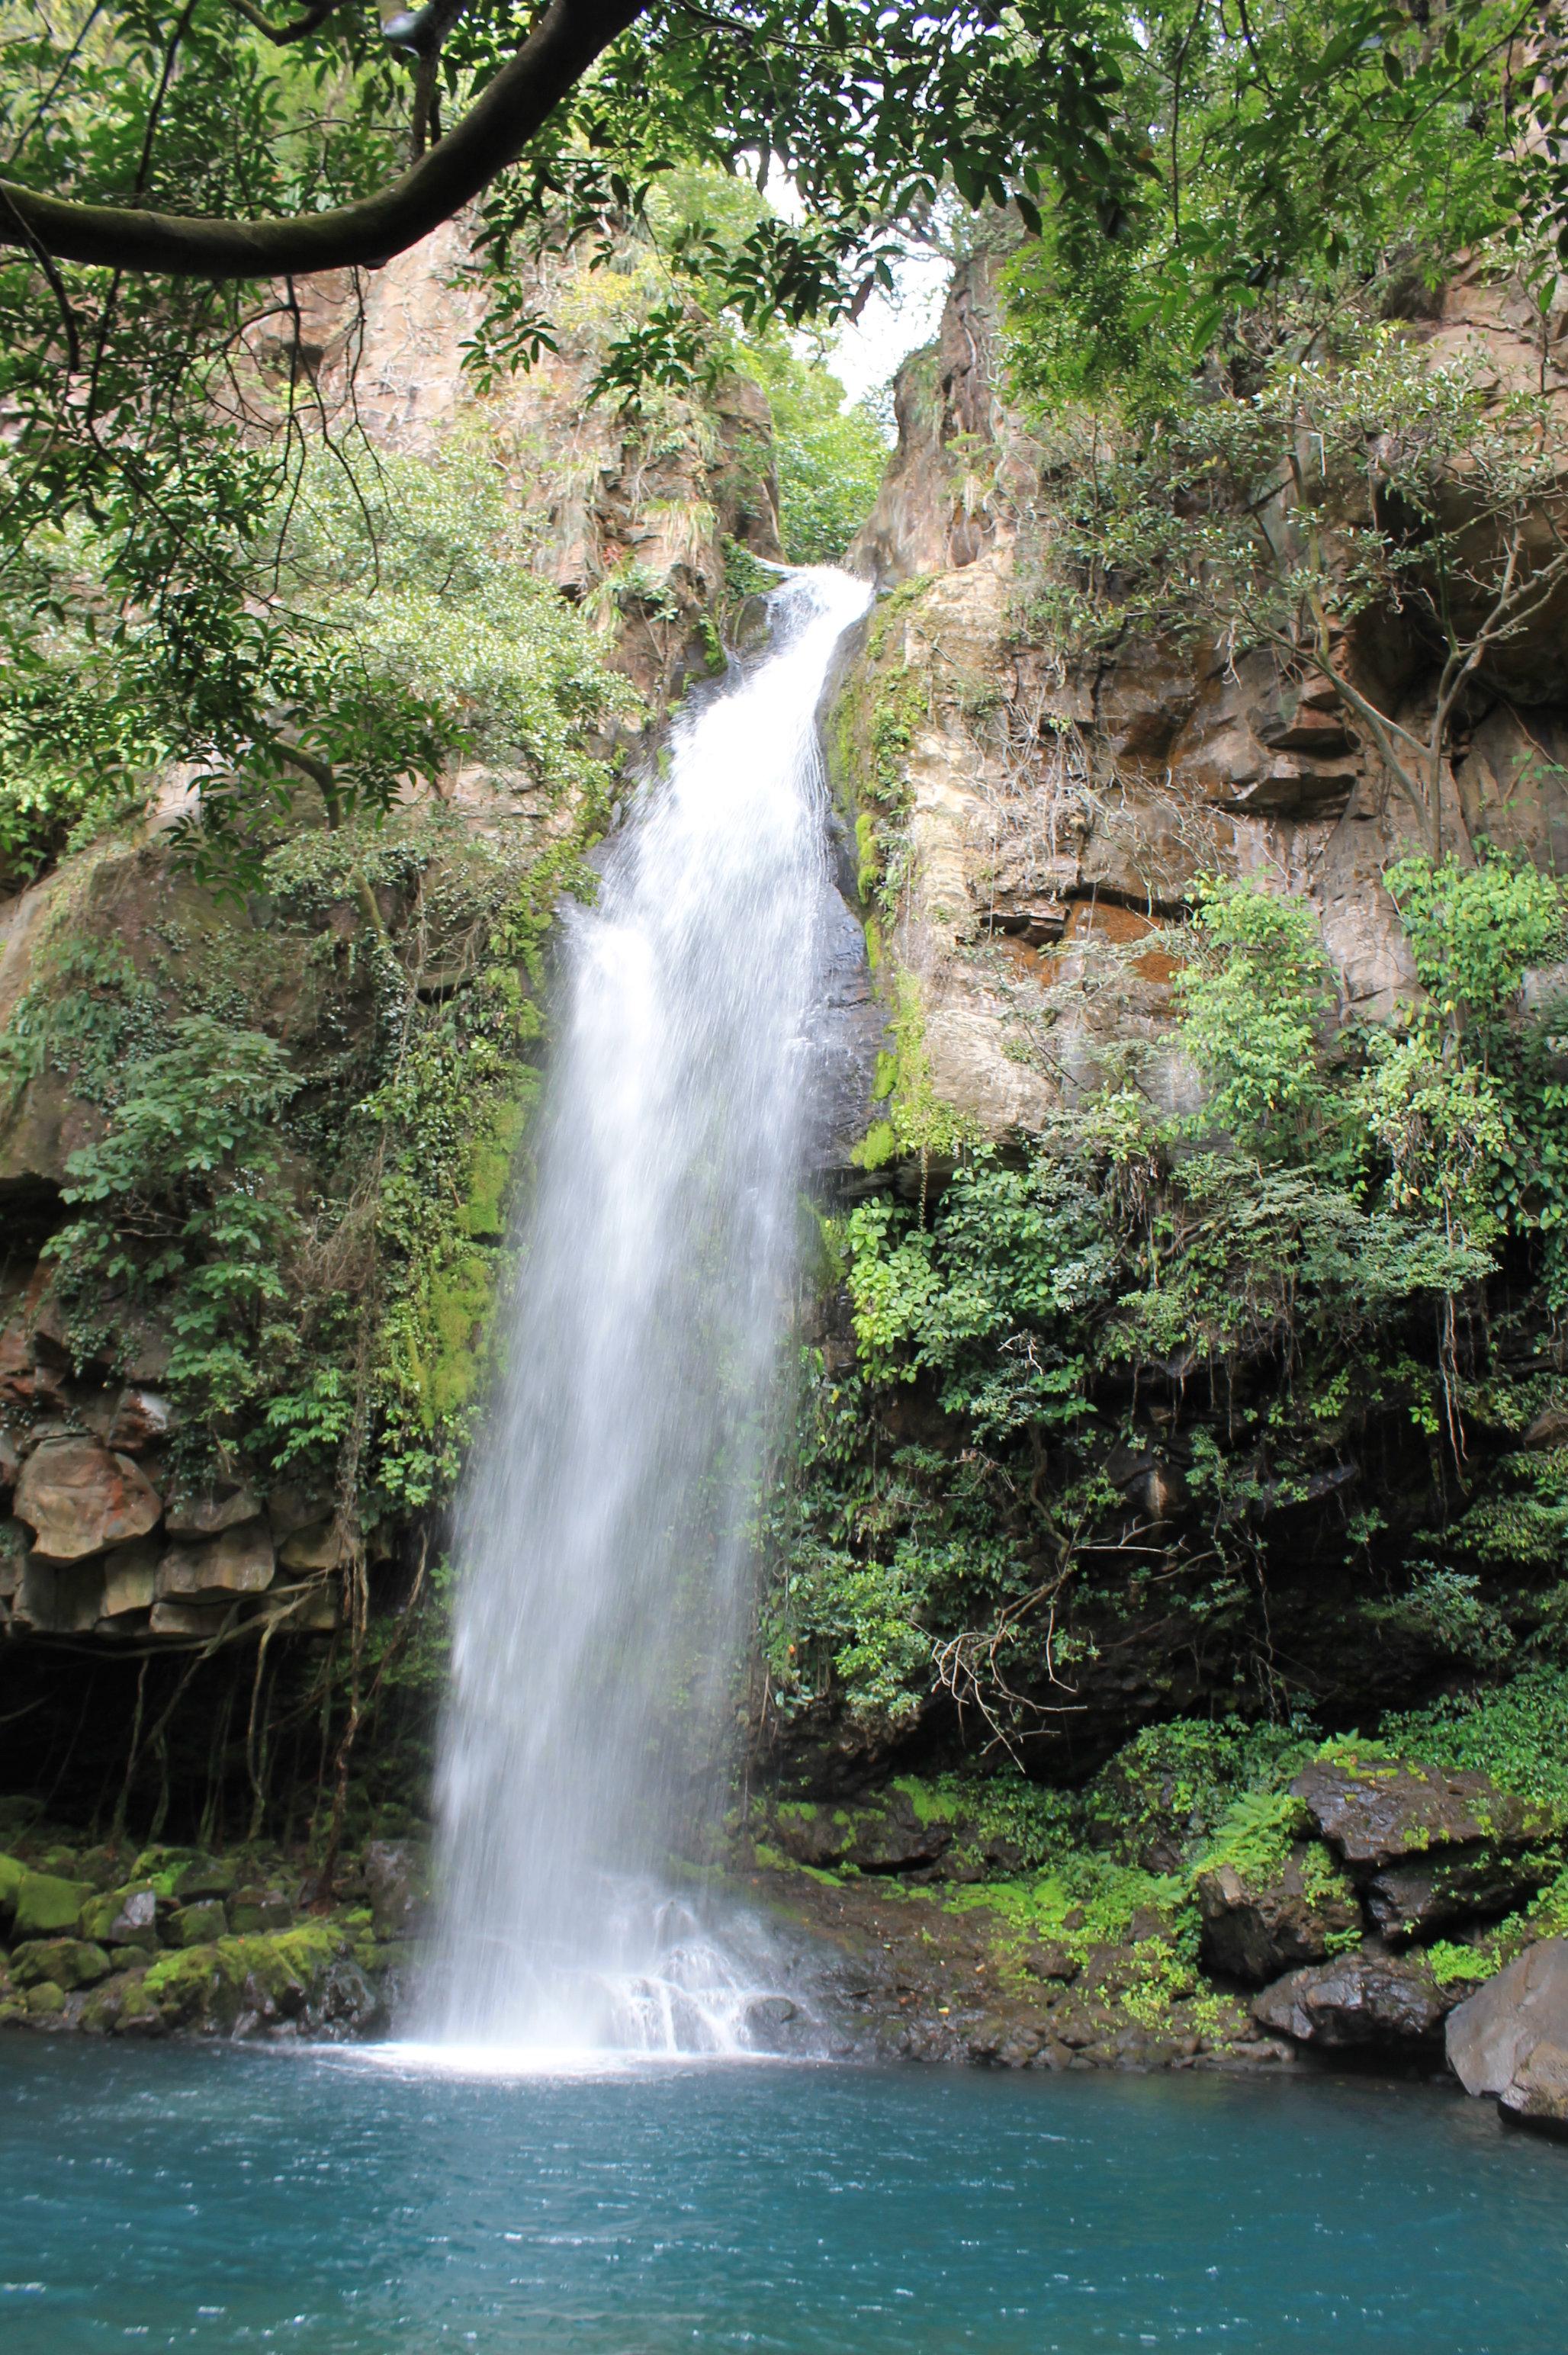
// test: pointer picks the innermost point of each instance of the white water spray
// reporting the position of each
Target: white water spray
(600, 1540)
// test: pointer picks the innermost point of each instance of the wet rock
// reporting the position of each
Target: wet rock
(1511, 2038)
(1359, 1999)
(65, 1962)
(77, 1498)
(1422, 1896)
(125, 1917)
(1376, 1811)
(344, 2003)
(238, 1560)
(397, 1882)
(889, 1837)
(1050, 1962)
(1251, 1932)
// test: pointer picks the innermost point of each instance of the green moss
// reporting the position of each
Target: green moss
(933, 1803)
(458, 1298)
(483, 1214)
(877, 1148)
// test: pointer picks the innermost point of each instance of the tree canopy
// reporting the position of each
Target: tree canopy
(172, 169)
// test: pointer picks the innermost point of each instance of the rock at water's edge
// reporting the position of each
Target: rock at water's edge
(1360, 1999)
(1511, 2038)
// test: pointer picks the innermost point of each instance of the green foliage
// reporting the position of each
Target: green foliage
(830, 460)
(1252, 998)
(181, 1204)
(1517, 1733)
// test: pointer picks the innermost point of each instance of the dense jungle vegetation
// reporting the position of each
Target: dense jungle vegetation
(1339, 1289)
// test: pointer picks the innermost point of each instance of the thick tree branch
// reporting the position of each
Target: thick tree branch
(313, 20)
(491, 134)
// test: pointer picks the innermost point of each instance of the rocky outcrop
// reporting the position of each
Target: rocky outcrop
(1361, 1999)
(1510, 2039)
(184, 1945)
(1256, 1929)
(1034, 806)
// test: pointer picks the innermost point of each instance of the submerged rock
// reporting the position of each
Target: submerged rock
(1360, 1999)
(1510, 2039)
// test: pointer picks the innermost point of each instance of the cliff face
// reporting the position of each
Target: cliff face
(1127, 1446)
(233, 1397)
(1040, 803)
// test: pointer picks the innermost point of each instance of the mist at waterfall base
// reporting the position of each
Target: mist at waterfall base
(601, 1543)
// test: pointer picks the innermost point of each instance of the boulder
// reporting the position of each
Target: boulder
(206, 1514)
(237, 1561)
(292, 1506)
(1359, 1999)
(1537, 2093)
(396, 1877)
(125, 1917)
(130, 1576)
(142, 1418)
(1511, 2038)
(187, 1618)
(77, 1498)
(46, 1906)
(1422, 1896)
(1252, 1930)
(207, 1877)
(321, 1545)
(255, 1912)
(201, 1925)
(64, 1963)
(1377, 1810)
(891, 1836)
(60, 1598)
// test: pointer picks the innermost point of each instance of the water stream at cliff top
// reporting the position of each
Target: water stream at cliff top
(600, 1540)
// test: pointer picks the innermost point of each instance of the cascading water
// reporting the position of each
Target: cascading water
(600, 1540)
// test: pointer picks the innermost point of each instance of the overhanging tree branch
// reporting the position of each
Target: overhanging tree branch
(492, 133)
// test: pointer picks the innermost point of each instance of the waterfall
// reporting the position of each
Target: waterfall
(600, 1538)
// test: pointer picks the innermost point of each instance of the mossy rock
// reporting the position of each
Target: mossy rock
(45, 1906)
(68, 1962)
(45, 2001)
(207, 1877)
(198, 1925)
(124, 1917)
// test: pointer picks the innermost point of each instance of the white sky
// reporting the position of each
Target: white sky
(865, 355)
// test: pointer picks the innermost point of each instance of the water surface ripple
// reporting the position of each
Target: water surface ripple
(224, 2198)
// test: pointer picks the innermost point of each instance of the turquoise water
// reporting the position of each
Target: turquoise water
(217, 2198)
